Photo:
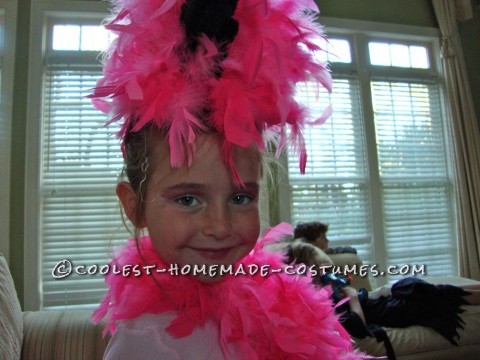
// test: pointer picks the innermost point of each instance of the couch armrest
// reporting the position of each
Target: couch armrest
(11, 324)
(353, 264)
(50, 335)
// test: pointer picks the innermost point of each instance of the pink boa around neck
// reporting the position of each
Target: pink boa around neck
(278, 316)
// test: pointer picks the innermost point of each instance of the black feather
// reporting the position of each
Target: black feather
(214, 18)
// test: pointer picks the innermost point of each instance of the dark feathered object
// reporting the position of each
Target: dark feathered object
(214, 18)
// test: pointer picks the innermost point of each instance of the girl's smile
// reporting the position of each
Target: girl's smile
(212, 253)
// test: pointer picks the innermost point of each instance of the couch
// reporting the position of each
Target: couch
(418, 342)
(45, 335)
(69, 335)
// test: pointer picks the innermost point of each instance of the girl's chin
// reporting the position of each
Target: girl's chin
(206, 279)
(214, 262)
(207, 272)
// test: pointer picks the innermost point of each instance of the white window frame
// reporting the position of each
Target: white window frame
(363, 32)
(43, 13)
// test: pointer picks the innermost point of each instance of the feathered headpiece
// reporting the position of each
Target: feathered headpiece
(223, 66)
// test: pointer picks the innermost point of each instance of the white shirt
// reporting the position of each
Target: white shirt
(145, 338)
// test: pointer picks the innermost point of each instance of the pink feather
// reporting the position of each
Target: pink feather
(324, 117)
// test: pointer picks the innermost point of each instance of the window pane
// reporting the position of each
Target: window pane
(413, 172)
(336, 146)
(81, 163)
(379, 54)
(418, 229)
(419, 57)
(333, 189)
(334, 50)
(80, 38)
(409, 130)
(66, 37)
(94, 38)
(340, 51)
(398, 55)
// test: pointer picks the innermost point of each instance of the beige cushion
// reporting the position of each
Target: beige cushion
(11, 324)
(418, 342)
(67, 334)
(423, 343)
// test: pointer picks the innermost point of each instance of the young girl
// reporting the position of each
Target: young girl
(199, 85)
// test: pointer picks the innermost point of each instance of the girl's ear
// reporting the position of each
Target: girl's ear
(128, 198)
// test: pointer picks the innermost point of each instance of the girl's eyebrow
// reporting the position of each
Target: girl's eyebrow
(186, 186)
(250, 186)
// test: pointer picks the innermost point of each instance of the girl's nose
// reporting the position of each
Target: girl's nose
(217, 223)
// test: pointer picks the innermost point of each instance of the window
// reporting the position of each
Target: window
(80, 164)
(378, 170)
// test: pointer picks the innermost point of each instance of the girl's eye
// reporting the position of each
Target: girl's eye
(187, 201)
(241, 199)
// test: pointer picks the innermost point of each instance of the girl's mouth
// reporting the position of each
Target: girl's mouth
(212, 253)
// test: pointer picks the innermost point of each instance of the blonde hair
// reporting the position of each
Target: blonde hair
(308, 254)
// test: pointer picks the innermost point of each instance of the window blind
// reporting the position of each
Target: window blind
(79, 209)
(333, 189)
(413, 172)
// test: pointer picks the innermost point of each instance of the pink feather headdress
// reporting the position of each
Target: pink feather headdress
(223, 66)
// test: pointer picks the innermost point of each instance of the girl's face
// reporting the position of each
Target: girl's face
(198, 215)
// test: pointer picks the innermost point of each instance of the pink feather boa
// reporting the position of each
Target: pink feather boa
(276, 317)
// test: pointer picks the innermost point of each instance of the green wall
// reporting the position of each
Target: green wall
(470, 35)
(407, 12)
